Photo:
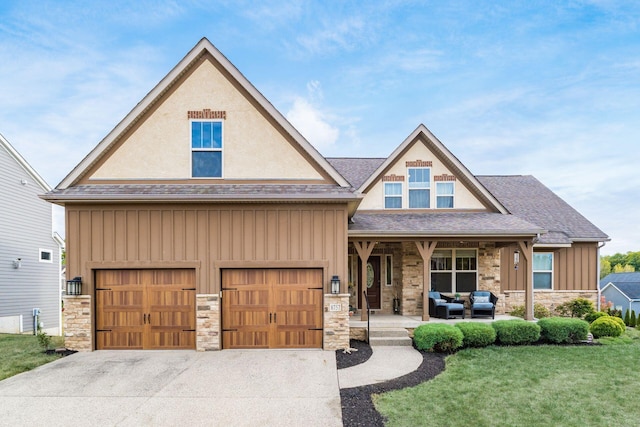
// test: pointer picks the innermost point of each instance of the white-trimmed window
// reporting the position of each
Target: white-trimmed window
(450, 277)
(543, 270)
(388, 270)
(206, 149)
(45, 255)
(419, 188)
(392, 195)
(444, 195)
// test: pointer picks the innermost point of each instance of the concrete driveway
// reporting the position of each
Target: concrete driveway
(133, 388)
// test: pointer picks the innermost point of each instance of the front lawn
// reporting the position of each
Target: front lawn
(20, 353)
(526, 386)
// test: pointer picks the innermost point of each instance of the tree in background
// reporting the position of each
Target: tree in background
(620, 263)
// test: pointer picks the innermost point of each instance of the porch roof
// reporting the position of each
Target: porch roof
(444, 224)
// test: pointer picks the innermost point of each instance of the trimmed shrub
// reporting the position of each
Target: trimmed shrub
(633, 319)
(627, 317)
(437, 337)
(516, 332)
(578, 307)
(563, 330)
(593, 316)
(477, 334)
(620, 322)
(607, 326)
(539, 311)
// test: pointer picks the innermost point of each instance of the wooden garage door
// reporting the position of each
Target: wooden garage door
(145, 309)
(272, 308)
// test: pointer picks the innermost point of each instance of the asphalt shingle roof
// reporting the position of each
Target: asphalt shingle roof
(527, 198)
(201, 192)
(627, 283)
(442, 223)
(355, 170)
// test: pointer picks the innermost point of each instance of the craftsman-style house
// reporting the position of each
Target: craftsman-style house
(205, 220)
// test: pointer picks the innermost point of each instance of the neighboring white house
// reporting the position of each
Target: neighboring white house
(623, 290)
(29, 253)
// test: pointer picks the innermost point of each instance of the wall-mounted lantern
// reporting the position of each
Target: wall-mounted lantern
(335, 285)
(74, 286)
(17, 263)
(516, 259)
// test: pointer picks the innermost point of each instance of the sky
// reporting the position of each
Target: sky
(543, 88)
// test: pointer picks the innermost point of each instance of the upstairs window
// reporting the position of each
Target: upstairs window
(543, 270)
(419, 188)
(392, 195)
(206, 149)
(444, 195)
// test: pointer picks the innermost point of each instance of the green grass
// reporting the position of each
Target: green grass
(20, 353)
(526, 386)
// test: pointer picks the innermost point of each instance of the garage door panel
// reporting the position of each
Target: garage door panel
(283, 307)
(245, 339)
(170, 340)
(114, 340)
(299, 339)
(145, 309)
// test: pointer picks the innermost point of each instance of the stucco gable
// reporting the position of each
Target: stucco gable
(153, 141)
(422, 149)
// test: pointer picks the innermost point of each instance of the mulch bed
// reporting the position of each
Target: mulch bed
(362, 354)
(61, 351)
(357, 406)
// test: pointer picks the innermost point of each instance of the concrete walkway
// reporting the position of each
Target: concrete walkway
(385, 363)
(168, 388)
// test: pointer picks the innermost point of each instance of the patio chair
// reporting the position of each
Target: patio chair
(441, 306)
(483, 303)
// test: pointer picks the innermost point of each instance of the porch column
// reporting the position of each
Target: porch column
(364, 249)
(526, 248)
(426, 250)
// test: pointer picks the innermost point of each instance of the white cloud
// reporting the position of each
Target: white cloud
(312, 124)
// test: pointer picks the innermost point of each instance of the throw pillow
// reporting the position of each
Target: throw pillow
(481, 299)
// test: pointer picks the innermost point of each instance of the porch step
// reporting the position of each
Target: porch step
(389, 337)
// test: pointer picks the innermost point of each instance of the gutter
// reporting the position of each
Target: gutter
(598, 275)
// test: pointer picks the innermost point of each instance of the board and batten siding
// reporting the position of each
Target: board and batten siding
(25, 228)
(206, 237)
(574, 268)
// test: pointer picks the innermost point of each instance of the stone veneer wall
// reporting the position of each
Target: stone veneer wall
(550, 299)
(207, 322)
(336, 323)
(411, 298)
(411, 295)
(77, 323)
(489, 273)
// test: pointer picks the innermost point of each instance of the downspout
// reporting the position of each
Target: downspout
(598, 275)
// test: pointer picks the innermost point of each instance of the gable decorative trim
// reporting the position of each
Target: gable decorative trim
(419, 164)
(444, 177)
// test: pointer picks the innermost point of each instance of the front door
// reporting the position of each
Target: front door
(372, 283)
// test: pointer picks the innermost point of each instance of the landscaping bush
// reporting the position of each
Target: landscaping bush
(477, 334)
(633, 319)
(593, 316)
(539, 311)
(516, 332)
(437, 337)
(627, 317)
(578, 307)
(563, 330)
(607, 326)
